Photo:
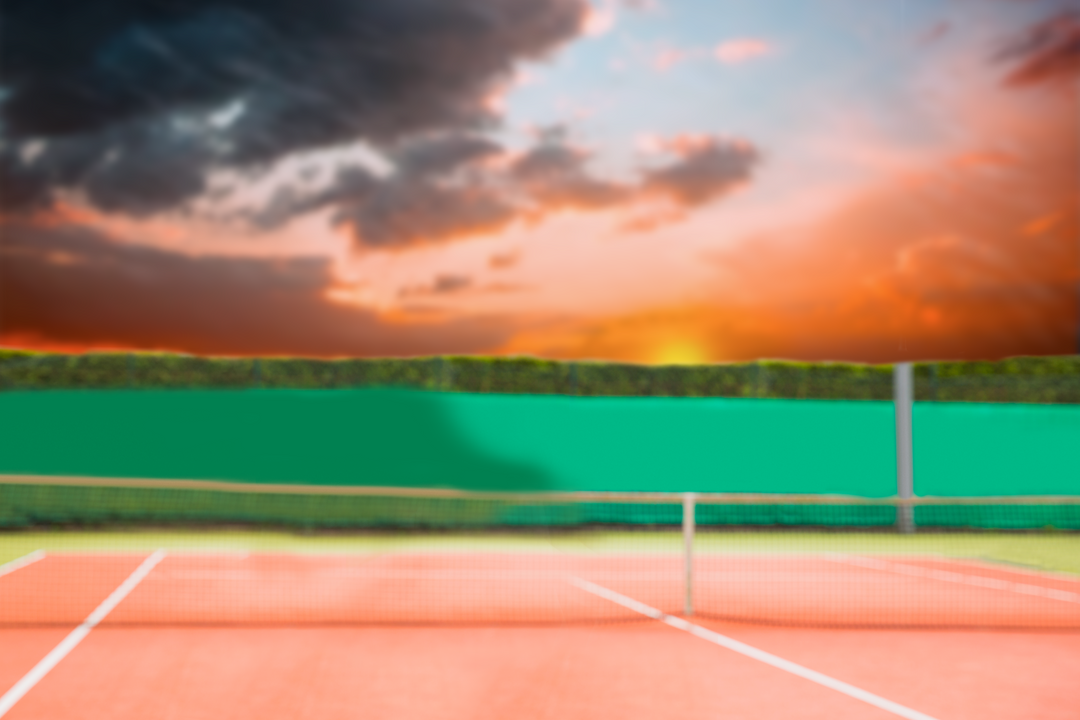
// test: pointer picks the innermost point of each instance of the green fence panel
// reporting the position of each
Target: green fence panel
(525, 442)
(323, 437)
(460, 440)
(980, 449)
(689, 444)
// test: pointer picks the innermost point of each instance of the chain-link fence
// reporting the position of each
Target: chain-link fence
(1035, 380)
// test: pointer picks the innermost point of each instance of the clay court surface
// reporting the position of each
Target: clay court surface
(272, 635)
(639, 670)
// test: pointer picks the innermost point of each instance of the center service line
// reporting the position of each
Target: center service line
(752, 652)
(76, 636)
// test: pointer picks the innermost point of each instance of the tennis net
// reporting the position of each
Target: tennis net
(215, 553)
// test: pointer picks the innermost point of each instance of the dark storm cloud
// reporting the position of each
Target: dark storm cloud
(1046, 52)
(71, 286)
(442, 154)
(445, 187)
(411, 211)
(98, 96)
(136, 103)
(437, 191)
(449, 187)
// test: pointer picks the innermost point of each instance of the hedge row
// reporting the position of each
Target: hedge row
(1036, 380)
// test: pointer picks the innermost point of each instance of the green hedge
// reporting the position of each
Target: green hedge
(1036, 380)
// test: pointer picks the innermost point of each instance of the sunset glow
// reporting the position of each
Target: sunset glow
(681, 353)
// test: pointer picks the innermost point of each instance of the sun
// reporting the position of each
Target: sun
(681, 352)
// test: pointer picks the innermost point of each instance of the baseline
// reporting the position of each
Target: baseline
(752, 652)
(17, 563)
(28, 681)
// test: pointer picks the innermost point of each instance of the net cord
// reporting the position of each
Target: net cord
(673, 498)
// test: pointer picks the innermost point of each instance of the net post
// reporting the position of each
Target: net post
(903, 391)
(688, 552)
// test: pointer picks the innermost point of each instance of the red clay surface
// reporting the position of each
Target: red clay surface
(945, 674)
(627, 672)
(632, 670)
(849, 591)
(876, 591)
(62, 589)
(21, 649)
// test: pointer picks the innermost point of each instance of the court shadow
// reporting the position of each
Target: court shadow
(369, 437)
(411, 439)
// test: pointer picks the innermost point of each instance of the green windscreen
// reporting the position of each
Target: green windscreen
(403, 438)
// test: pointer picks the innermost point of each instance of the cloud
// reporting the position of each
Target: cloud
(445, 188)
(412, 211)
(670, 57)
(502, 261)
(741, 50)
(604, 14)
(452, 284)
(444, 284)
(705, 168)
(599, 20)
(555, 176)
(435, 192)
(71, 287)
(135, 105)
(1046, 52)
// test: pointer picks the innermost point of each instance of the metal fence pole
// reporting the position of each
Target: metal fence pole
(688, 552)
(903, 390)
(437, 372)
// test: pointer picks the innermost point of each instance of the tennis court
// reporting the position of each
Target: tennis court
(539, 359)
(586, 622)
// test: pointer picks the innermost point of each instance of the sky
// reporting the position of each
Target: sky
(646, 181)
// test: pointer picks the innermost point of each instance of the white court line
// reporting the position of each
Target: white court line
(58, 653)
(28, 559)
(752, 652)
(955, 577)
